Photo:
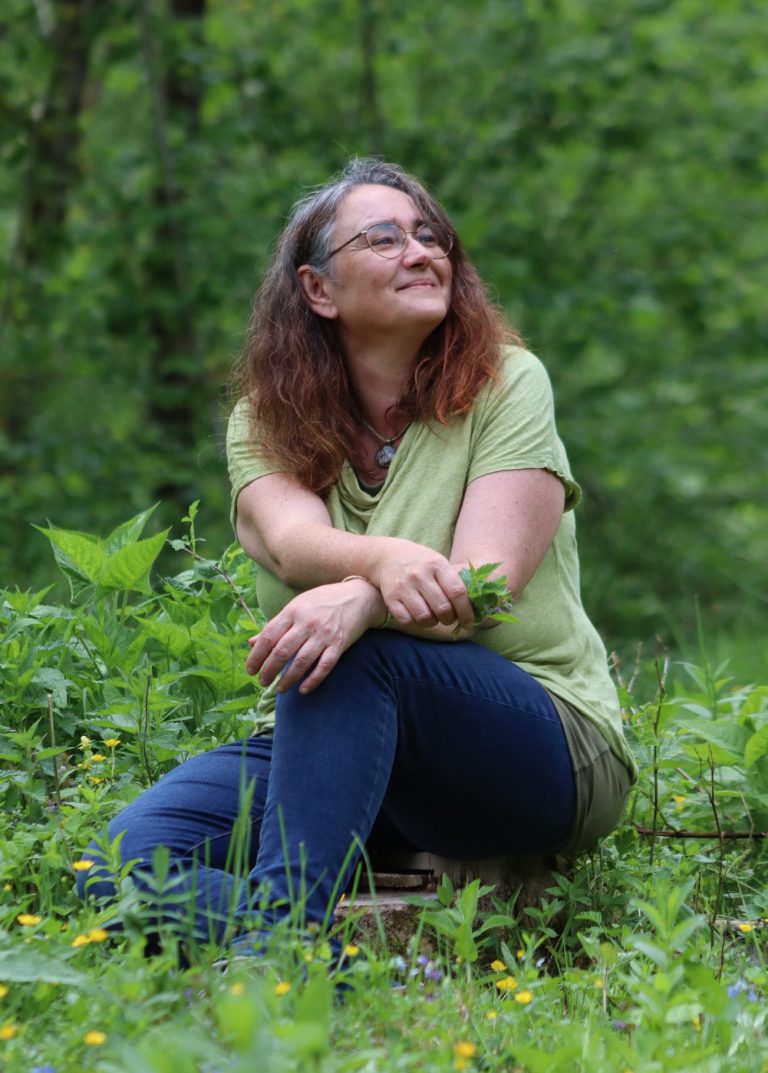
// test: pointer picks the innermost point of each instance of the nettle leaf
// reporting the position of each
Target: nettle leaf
(79, 556)
(756, 747)
(127, 569)
(129, 531)
(728, 739)
(489, 597)
(30, 966)
(53, 682)
(176, 639)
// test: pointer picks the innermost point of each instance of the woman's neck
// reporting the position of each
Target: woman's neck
(379, 377)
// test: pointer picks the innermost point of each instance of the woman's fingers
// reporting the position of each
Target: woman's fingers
(425, 599)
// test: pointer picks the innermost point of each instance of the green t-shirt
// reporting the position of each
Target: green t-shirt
(511, 426)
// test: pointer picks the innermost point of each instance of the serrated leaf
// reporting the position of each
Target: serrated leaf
(756, 747)
(79, 556)
(52, 681)
(29, 966)
(175, 638)
(129, 531)
(725, 735)
(127, 569)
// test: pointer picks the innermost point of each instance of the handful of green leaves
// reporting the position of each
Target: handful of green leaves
(490, 598)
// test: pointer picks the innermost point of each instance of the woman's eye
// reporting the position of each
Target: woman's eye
(381, 240)
(427, 236)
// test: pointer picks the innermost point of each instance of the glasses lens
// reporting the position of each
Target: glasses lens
(434, 239)
(388, 240)
(385, 239)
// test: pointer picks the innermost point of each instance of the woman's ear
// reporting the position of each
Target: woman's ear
(317, 292)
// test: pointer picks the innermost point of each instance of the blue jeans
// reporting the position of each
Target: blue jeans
(446, 747)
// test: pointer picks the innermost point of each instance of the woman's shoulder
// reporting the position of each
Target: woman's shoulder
(517, 362)
(522, 381)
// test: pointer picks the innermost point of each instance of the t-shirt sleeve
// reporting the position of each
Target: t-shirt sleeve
(244, 460)
(516, 426)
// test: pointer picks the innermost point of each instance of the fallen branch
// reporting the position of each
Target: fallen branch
(720, 835)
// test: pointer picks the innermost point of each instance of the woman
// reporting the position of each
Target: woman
(387, 436)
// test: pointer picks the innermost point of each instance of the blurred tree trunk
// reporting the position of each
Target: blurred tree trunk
(179, 395)
(70, 28)
(54, 137)
(369, 84)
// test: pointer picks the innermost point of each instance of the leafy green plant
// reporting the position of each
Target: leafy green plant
(489, 596)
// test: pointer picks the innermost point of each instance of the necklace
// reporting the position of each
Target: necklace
(387, 451)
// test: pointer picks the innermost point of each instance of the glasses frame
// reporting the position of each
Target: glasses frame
(391, 223)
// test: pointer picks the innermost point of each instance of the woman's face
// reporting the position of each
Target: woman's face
(371, 296)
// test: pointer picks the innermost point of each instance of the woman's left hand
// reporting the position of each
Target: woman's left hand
(312, 631)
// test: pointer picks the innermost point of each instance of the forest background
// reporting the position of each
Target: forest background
(605, 163)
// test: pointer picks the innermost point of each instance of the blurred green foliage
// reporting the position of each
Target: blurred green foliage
(606, 165)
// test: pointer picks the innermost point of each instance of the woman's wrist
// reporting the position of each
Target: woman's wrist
(382, 607)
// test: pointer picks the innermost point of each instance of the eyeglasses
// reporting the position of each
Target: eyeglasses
(388, 240)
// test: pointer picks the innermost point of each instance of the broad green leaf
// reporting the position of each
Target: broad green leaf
(79, 556)
(724, 734)
(170, 635)
(127, 569)
(756, 747)
(31, 966)
(52, 681)
(129, 531)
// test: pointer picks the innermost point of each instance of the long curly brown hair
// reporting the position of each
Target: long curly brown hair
(305, 416)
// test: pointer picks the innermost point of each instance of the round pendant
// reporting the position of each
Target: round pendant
(385, 454)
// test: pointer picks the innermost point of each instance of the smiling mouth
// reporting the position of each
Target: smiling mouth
(416, 283)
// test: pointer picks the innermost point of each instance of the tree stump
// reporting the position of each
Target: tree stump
(384, 905)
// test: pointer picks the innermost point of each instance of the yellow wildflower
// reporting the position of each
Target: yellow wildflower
(97, 758)
(282, 987)
(94, 1038)
(498, 966)
(7, 886)
(491, 1015)
(520, 955)
(3, 990)
(351, 950)
(465, 1049)
(599, 983)
(524, 997)
(237, 989)
(8, 1031)
(28, 919)
(697, 1022)
(746, 929)
(507, 983)
(83, 866)
(80, 940)
(97, 935)
(85, 741)
(112, 743)
(96, 779)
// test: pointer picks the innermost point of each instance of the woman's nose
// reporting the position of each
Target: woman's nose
(414, 252)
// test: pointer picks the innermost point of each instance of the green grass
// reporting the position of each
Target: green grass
(648, 955)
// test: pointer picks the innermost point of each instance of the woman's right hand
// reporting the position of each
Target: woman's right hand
(420, 587)
(304, 641)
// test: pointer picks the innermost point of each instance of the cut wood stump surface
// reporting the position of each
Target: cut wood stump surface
(521, 881)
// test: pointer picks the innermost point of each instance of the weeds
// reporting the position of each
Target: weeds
(649, 954)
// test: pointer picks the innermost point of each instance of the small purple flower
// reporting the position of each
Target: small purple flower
(399, 964)
(422, 960)
(433, 973)
(43, 1069)
(618, 1026)
(739, 988)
